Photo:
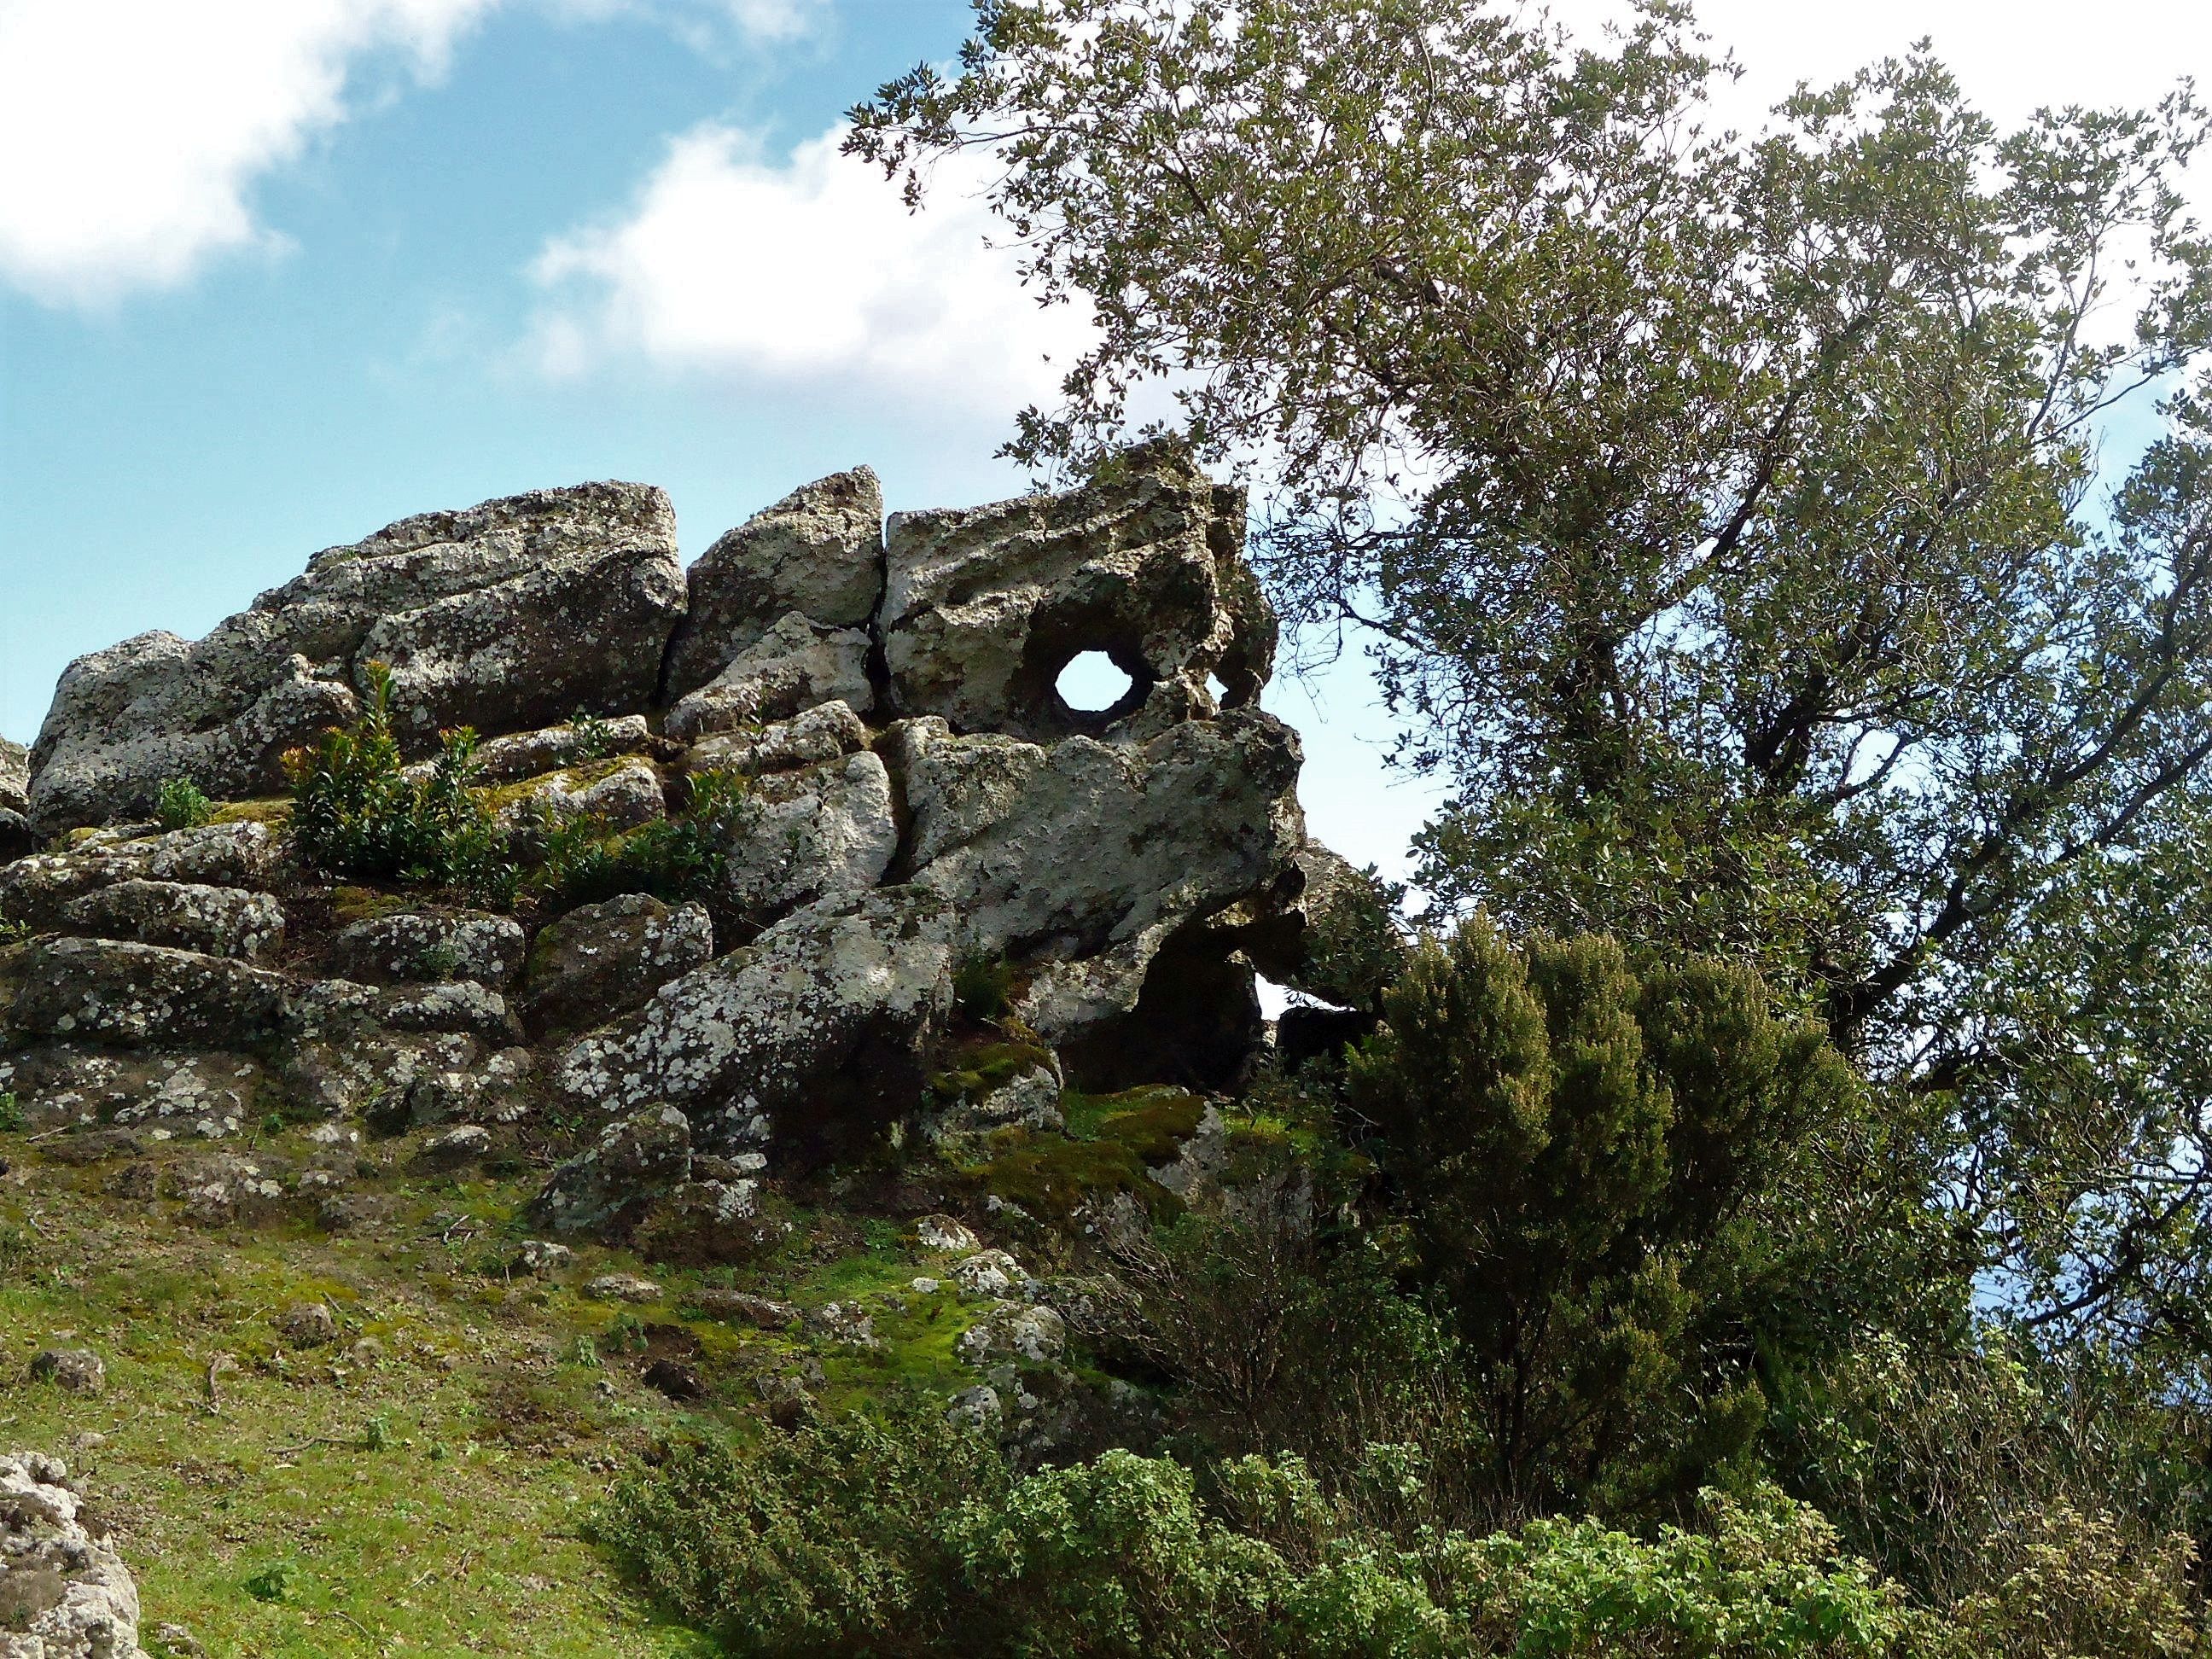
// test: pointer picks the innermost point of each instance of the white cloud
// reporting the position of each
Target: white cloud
(807, 270)
(131, 130)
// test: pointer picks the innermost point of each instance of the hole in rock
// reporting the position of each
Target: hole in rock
(1092, 682)
(1216, 689)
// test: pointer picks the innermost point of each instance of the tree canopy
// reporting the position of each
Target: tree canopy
(1728, 514)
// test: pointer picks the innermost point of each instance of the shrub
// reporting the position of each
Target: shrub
(680, 857)
(910, 1538)
(11, 1113)
(1642, 1196)
(179, 805)
(357, 812)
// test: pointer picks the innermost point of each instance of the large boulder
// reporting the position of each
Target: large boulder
(605, 1188)
(218, 921)
(511, 615)
(425, 946)
(813, 1036)
(1068, 850)
(827, 733)
(128, 995)
(817, 551)
(65, 1593)
(797, 664)
(205, 1094)
(598, 963)
(822, 829)
(985, 606)
(14, 776)
(35, 890)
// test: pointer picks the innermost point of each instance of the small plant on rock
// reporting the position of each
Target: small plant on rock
(676, 858)
(356, 811)
(182, 804)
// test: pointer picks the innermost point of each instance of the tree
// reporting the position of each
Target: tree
(1722, 509)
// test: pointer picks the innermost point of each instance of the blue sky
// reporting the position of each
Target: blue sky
(275, 272)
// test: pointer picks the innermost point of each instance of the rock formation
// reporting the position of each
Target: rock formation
(65, 1593)
(917, 798)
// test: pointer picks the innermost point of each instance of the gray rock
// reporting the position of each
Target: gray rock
(78, 1370)
(148, 996)
(621, 1287)
(845, 1324)
(497, 1091)
(814, 1032)
(978, 1407)
(541, 1258)
(699, 1222)
(823, 829)
(637, 1159)
(308, 1324)
(760, 1311)
(797, 664)
(14, 777)
(507, 615)
(462, 1007)
(65, 1593)
(241, 855)
(1031, 1099)
(621, 794)
(984, 606)
(987, 1272)
(818, 551)
(601, 962)
(1086, 857)
(828, 732)
(208, 1096)
(429, 946)
(530, 754)
(450, 1148)
(217, 922)
(366, 1070)
(945, 1232)
(1013, 1331)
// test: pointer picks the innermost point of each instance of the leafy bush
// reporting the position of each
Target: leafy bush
(1642, 1197)
(11, 1113)
(179, 805)
(911, 1538)
(580, 860)
(356, 812)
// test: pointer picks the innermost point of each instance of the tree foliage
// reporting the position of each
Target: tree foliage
(1724, 510)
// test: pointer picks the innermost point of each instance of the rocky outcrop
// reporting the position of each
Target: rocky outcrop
(64, 1592)
(509, 615)
(16, 838)
(908, 805)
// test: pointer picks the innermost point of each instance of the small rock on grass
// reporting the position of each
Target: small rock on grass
(542, 1258)
(621, 1287)
(78, 1370)
(765, 1312)
(308, 1324)
(942, 1232)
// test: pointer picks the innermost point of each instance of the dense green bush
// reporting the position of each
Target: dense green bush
(356, 812)
(910, 1538)
(580, 860)
(1646, 1202)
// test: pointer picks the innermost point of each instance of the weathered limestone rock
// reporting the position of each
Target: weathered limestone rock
(507, 615)
(461, 1007)
(65, 1593)
(760, 1311)
(34, 890)
(825, 829)
(830, 731)
(604, 1190)
(811, 1034)
(16, 837)
(598, 963)
(425, 947)
(496, 1091)
(702, 1222)
(351, 1068)
(208, 1096)
(621, 1287)
(797, 664)
(217, 922)
(818, 551)
(1069, 850)
(148, 996)
(984, 606)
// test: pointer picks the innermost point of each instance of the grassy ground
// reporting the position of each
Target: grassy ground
(417, 1485)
